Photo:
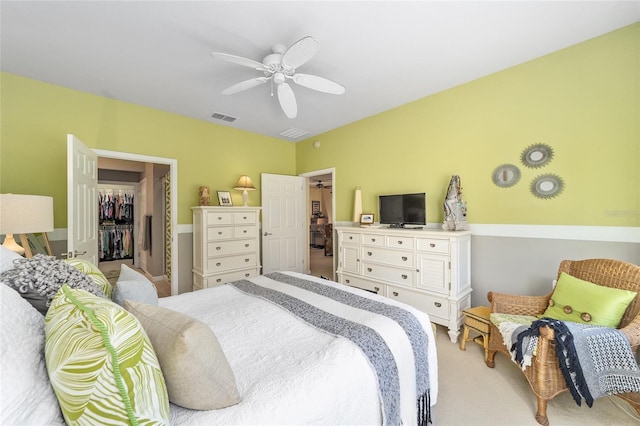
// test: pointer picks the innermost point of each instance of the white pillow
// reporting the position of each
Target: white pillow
(7, 257)
(25, 391)
(132, 285)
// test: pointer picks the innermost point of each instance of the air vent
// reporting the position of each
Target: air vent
(292, 133)
(223, 117)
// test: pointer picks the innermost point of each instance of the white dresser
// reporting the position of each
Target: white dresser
(226, 245)
(428, 269)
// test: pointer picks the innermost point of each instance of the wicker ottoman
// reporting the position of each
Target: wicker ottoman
(477, 319)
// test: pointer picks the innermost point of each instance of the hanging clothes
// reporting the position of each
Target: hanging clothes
(115, 229)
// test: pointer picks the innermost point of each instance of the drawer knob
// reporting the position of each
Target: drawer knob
(351, 238)
(395, 293)
(219, 217)
(404, 258)
(376, 289)
(369, 269)
(369, 253)
(438, 304)
(219, 280)
(247, 275)
(218, 264)
(399, 242)
(246, 260)
(404, 277)
(432, 245)
(373, 240)
(244, 217)
(244, 232)
(218, 248)
(347, 281)
(246, 245)
(219, 232)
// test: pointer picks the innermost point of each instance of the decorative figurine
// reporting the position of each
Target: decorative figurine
(204, 196)
(455, 210)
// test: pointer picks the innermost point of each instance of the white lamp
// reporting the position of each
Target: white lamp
(245, 184)
(24, 214)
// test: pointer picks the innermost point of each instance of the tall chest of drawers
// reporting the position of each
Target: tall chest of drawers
(226, 245)
(428, 269)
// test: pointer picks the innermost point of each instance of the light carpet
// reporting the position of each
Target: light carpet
(473, 394)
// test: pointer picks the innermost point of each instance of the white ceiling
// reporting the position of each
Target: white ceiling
(386, 53)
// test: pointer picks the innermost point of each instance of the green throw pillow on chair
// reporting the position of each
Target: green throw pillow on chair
(577, 300)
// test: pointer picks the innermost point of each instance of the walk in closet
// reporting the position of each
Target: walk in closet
(116, 233)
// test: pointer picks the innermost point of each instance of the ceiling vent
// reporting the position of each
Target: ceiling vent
(292, 133)
(223, 117)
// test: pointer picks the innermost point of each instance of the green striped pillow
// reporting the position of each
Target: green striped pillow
(101, 364)
(94, 273)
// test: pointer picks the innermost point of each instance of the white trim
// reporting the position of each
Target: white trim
(621, 234)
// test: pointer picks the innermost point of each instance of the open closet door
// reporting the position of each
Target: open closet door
(283, 223)
(82, 201)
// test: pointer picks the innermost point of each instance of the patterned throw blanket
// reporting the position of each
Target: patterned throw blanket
(595, 360)
(366, 338)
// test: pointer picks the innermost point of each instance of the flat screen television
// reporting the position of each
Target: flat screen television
(403, 209)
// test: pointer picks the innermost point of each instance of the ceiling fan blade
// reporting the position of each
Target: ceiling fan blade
(287, 100)
(245, 85)
(239, 60)
(299, 52)
(320, 84)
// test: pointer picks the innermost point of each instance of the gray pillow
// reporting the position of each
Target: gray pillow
(133, 285)
(39, 278)
(195, 369)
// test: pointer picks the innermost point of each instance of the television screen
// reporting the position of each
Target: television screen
(401, 209)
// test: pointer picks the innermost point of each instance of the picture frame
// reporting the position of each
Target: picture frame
(315, 207)
(367, 218)
(224, 198)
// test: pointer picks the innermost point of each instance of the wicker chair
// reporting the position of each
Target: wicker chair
(544, 374)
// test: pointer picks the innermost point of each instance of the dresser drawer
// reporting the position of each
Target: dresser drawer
(223, 248)
(363, 284)
(388, 257)
(373, 240)
(216, 280)
(240, 218)
(399, 241)
(215, 233)
(350, 238)
(433, 305)
(433, 245)
(219, 218)
(222, 264)
(248, 231)
(387, 273)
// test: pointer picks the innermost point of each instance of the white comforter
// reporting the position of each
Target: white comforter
(286, 371)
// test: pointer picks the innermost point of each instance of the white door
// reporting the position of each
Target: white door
(82, 201)
(283, 223)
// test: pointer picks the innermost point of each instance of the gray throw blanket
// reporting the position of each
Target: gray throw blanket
(595, 360)
(370, 342)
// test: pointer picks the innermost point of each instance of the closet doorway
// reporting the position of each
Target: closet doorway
(153, 182)
(321, 218)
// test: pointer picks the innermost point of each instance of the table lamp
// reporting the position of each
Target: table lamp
(24, 214)
(245, 184)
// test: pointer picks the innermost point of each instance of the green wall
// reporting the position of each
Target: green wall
(582, 101)
(36, 118)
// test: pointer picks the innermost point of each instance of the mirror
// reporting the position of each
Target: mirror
(537, 155)
(506, 175)
(547, 186)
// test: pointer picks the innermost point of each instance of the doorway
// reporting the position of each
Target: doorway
(155, 209)
(321, 219)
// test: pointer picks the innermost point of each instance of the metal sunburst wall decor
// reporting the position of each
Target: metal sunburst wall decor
(547, 186)
(537, 155)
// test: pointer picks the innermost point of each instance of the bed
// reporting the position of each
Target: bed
(303, 350)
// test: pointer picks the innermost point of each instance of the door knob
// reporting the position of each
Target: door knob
(266, 234)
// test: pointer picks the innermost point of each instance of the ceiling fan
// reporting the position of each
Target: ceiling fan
(280, 66)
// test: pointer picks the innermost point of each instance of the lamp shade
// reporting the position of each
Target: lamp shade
(244, 184)
(25, 214)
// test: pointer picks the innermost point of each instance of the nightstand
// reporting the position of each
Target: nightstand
(477, 319)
